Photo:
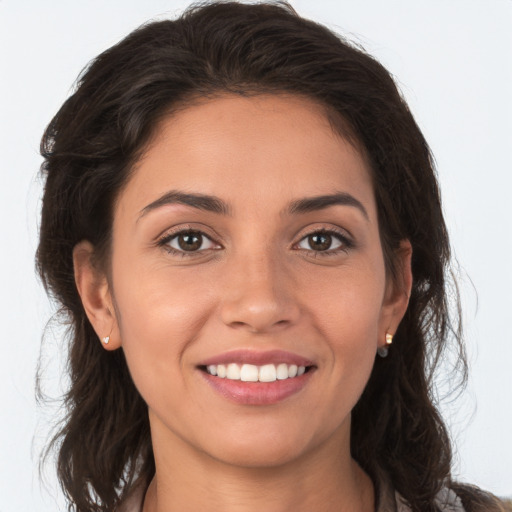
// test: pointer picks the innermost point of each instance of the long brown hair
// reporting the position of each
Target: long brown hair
(89, 149)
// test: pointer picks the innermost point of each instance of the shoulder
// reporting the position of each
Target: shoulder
(477, 500)
(390, 500)
(445, 501)
(453, 497)
(448, 501)
(461, 498)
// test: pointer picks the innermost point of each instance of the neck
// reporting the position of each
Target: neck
(326, 480)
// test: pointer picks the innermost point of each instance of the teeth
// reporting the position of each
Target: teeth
(249, 373)
(253, 373)
(233, 372)
(268, 373)
(282, 371)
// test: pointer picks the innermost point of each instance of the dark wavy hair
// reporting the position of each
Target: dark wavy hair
(90, 148)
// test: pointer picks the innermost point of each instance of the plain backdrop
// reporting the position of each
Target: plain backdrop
(452, 61)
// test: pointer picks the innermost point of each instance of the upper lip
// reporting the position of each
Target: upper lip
(257, 358)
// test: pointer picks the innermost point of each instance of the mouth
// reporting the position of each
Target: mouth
(257, 378)
(254, 373)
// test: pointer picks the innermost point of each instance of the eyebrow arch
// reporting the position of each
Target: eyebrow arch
(216, 205)
(199, 201)
(310, 204)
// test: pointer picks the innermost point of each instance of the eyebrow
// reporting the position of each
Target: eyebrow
(199, 201)
(310, 204)
(216, 205)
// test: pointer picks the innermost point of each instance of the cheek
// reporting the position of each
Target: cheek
(347, 311)
(159, 314)
(348, 303)
(158, 302)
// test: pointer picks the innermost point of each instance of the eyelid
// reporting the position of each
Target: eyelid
(204, 240)
(341, 234)
(164, 239)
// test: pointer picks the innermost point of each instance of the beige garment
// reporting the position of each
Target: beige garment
(389, 501)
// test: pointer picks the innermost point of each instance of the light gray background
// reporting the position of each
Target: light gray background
(452, 60)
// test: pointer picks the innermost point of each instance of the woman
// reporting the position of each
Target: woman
(242, 220)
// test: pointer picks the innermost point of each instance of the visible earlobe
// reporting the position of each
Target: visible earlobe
(384, 350)
(397, 293)
(93, 288)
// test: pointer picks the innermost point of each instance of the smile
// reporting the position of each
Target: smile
(250, 377)
(253, 373)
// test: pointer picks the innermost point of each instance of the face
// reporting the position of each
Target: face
(248, 280)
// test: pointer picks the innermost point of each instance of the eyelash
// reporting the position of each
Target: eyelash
(168, 237)
(346, 243)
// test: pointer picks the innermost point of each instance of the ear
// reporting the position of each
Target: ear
(398, 291)
(94, 291)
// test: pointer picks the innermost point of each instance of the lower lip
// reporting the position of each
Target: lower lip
(257, 393)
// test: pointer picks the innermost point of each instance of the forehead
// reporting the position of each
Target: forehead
(249, 151)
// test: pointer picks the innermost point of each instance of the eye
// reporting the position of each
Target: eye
(324, 241)
(189, 241)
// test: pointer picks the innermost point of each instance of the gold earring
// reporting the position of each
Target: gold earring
(106, 339)
(384, 351)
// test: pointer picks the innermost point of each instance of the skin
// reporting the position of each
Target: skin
(256, 283)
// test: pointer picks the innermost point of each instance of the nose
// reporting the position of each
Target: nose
(258, 295)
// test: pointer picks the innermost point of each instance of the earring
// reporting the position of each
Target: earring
(106, 339)
(384, 351)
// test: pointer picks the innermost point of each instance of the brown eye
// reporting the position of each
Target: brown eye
(322, 241)
(190, 241)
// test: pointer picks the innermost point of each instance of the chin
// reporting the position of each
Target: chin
(264, 447)
(256, 455)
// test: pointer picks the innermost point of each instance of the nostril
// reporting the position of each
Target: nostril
(238, 324)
